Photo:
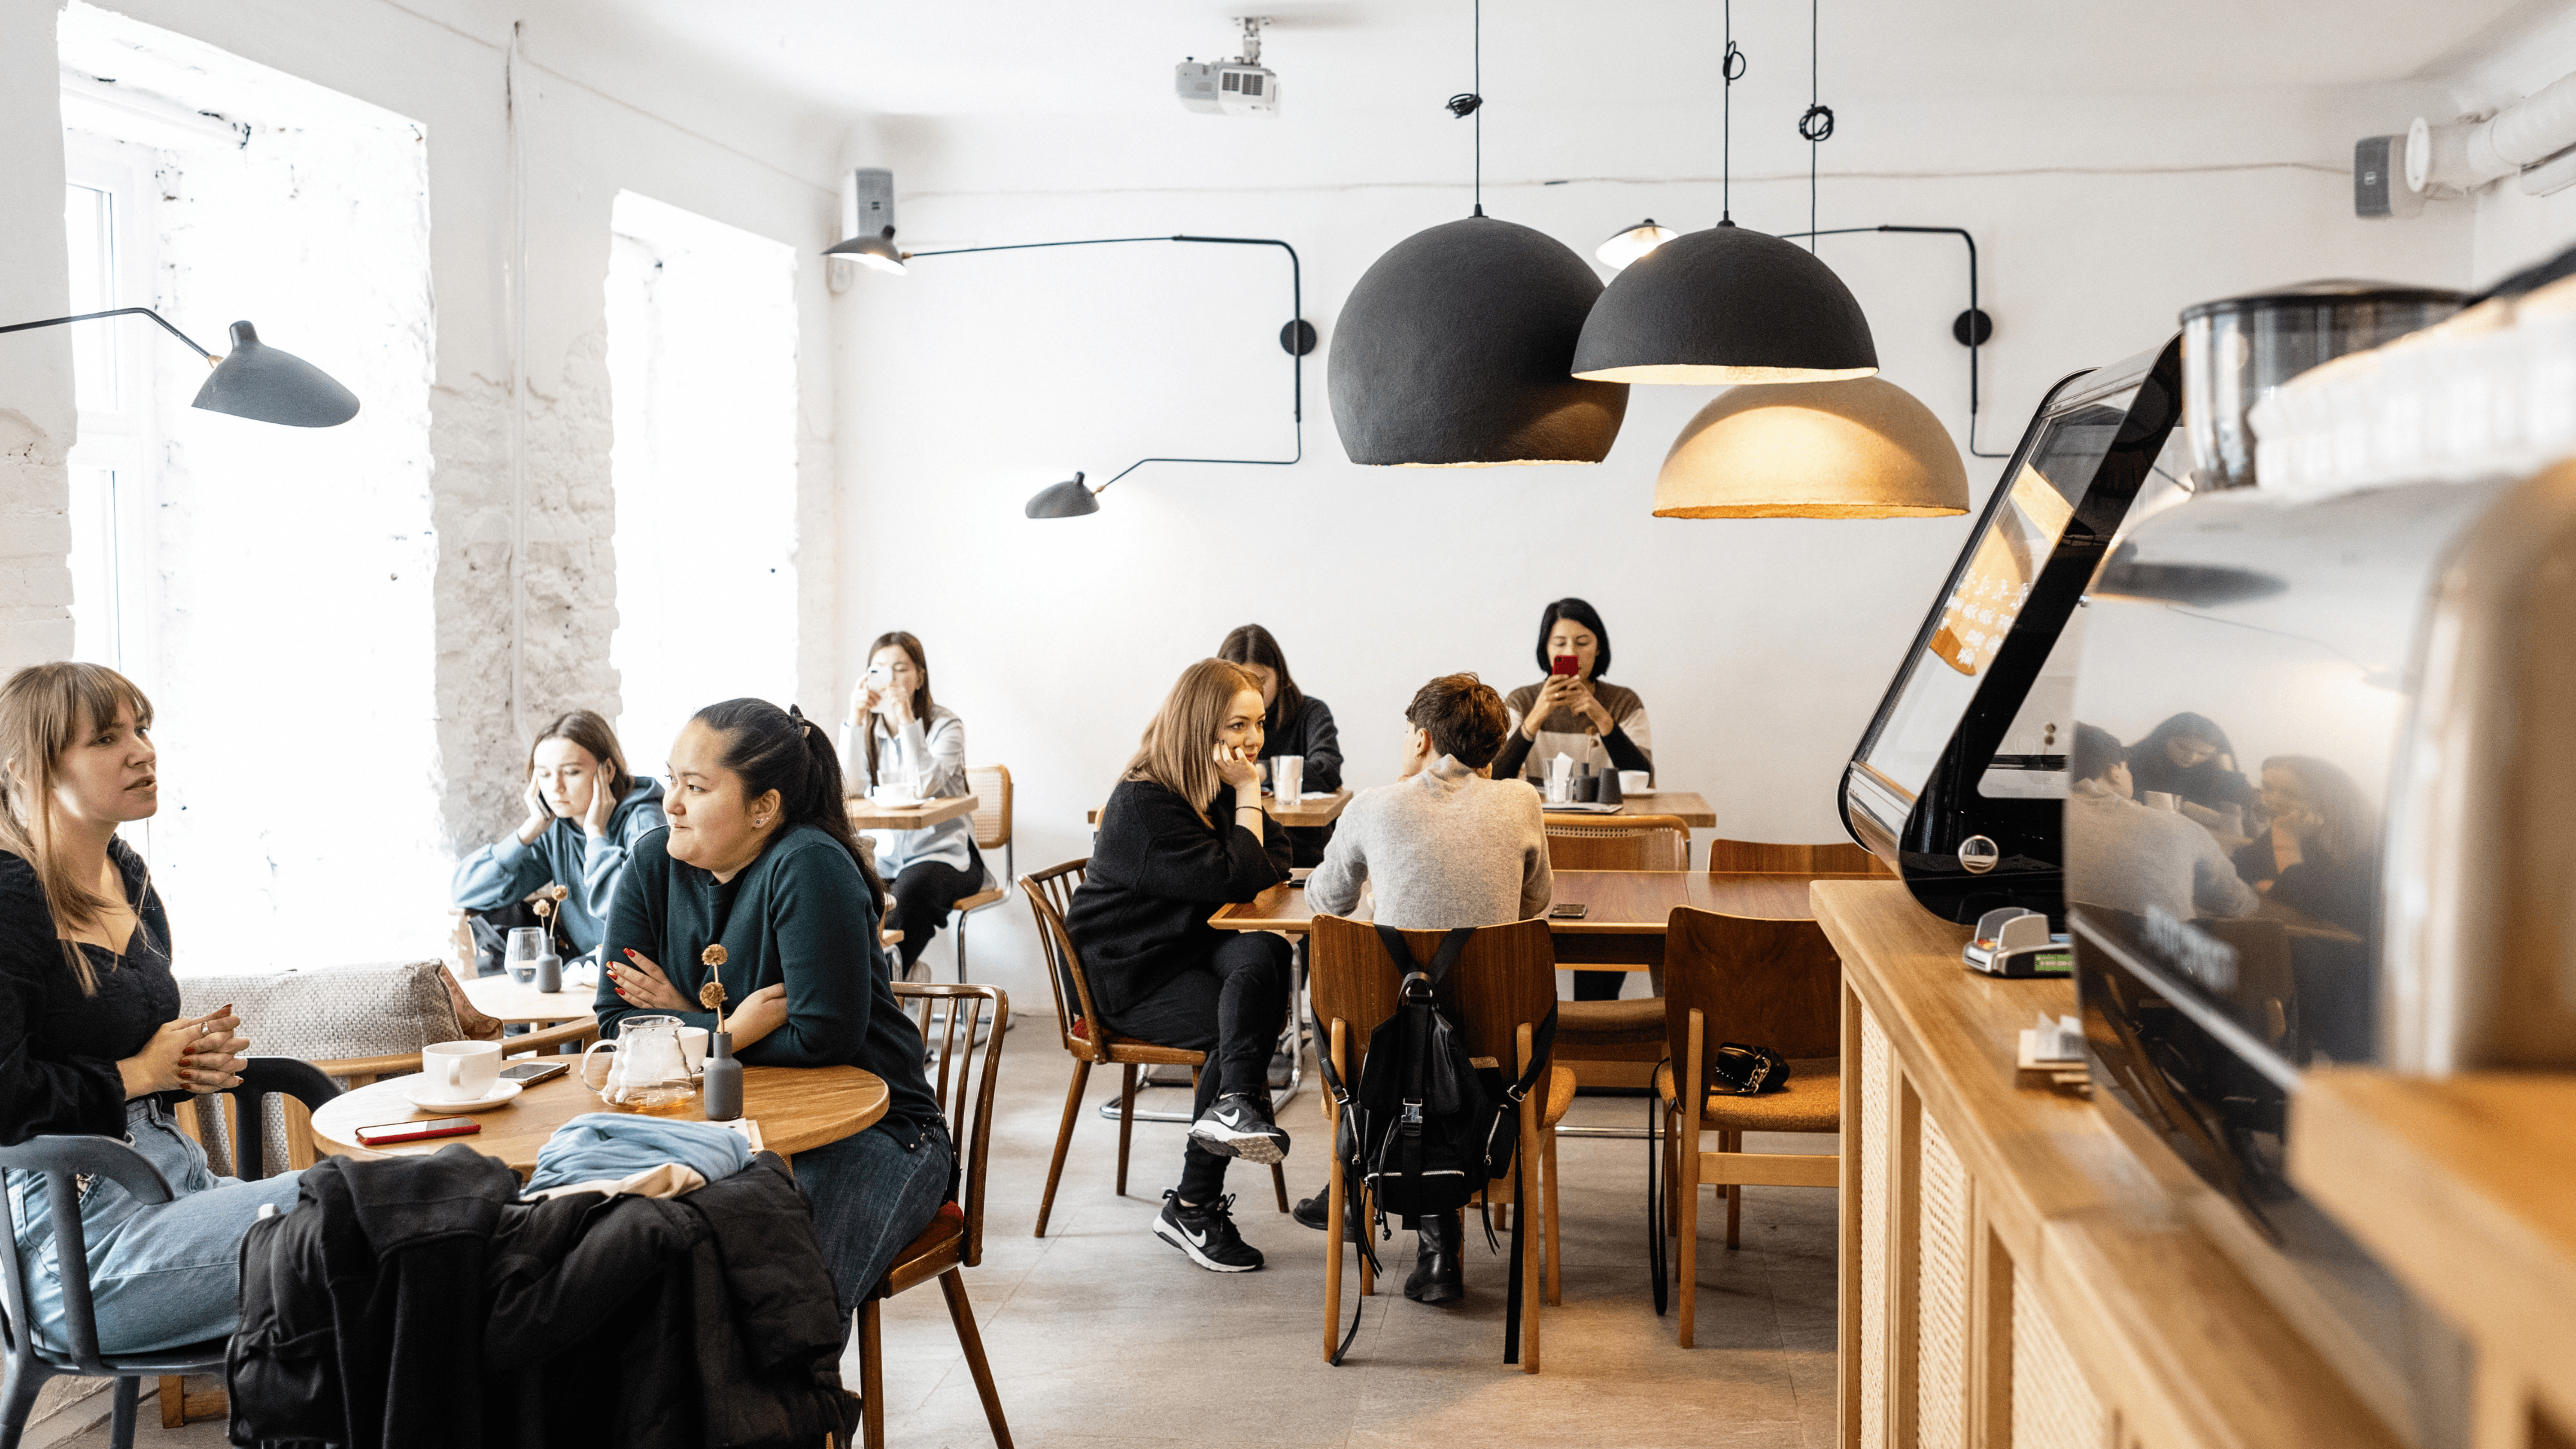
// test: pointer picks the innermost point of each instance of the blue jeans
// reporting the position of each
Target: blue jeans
(161, 1274)
(872, 1194)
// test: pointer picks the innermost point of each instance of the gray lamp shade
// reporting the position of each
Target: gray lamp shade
(874, 250)
(1726, 305)
(258, 381)
(1071, 498)
(1455, 349)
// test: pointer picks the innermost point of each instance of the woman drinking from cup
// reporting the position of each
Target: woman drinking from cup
(912, 749)
(758, 883)
(1182, 835)
(91, 1040)
(585, 813)
(1294, 725)
(1572, 712)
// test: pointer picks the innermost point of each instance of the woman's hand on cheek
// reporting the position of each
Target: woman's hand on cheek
(1237, 771)
(640, 983)
(761, 1013)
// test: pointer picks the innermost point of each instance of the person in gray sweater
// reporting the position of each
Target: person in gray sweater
(1445, 846)
(2124, 856)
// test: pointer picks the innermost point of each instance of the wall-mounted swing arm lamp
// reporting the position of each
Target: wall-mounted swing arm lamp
(254, 380)
(1073, 497)
(1972, 328)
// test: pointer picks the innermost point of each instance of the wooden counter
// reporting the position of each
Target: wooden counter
(2011, 1272)
(2465, 1187)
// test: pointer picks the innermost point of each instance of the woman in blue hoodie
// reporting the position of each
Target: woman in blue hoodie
(585, 812)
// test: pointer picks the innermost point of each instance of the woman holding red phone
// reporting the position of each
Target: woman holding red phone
(91, 1040)
(1573, 711)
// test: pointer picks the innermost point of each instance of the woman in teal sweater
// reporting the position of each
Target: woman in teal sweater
(758, 883)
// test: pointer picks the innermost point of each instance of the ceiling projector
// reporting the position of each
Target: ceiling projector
(1237, 87)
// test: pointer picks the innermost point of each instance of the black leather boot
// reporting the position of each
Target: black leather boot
(1438, 1276)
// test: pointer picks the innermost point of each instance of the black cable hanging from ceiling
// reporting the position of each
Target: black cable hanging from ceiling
(1817, 125)
(1472, 103)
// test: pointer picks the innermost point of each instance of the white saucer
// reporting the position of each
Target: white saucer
(419, 1096)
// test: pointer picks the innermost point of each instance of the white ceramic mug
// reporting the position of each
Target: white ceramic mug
(693, 1048)
(1636, 782)
(461, 1071)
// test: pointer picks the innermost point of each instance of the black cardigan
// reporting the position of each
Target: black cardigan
(1157, 873)
(59, 1048)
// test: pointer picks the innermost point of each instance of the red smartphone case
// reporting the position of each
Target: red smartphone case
(1562, 664)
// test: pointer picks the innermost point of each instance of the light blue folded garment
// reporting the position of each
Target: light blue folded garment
(615, 1145)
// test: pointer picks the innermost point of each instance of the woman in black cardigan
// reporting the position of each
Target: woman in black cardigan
(1293, 722)
(91, 1040)
(1182, 835)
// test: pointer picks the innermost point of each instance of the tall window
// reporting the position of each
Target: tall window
(702, 404)
(268, 587)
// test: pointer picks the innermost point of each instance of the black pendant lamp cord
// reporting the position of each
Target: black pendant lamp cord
(1472, 103)
(1730, 69)
(1296, 314)
(1973, 338)
(1817, 125)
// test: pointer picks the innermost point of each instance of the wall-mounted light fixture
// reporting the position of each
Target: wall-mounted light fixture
(871, 244)
(253, 381)
(1073, 497)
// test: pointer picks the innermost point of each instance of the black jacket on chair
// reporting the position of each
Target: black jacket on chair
(414, 1301)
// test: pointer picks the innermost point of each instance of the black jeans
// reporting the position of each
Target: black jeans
(1599, 985)
(1232, 1008)
(923, 895)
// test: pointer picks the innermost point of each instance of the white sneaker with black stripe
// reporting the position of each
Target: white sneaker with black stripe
(1239, 1125)
(1207, 1234)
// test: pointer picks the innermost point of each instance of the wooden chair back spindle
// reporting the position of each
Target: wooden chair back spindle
(964, 1078)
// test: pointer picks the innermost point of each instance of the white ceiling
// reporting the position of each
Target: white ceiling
(958, 57)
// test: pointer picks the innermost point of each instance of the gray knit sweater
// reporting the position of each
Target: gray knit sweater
(2125, 857)
(1445, 848)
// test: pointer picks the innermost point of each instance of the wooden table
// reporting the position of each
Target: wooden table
(1622, 927)
(1323, 810)
(1687, 804)
(504, 998)
(866, 814)
(798, 1109)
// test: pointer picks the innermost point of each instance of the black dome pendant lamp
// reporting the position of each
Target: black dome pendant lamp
(1726, 305)
(1455, 350)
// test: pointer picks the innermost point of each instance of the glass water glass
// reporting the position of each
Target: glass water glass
(526, 944)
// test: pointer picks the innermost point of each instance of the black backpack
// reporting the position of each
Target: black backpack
(1428, 1128)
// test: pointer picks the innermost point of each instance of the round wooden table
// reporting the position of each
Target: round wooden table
(505, 998)
(798, 1109)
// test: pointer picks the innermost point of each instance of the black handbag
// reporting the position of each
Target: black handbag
(1737, 1070)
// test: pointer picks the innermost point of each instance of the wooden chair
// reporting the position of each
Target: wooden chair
(1762, 857)
(1086, 1040)
(954, 1241)
(1619, 842)
(1501, 989)
(1768, 983)
(991, 786)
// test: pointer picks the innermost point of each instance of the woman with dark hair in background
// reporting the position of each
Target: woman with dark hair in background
(2317, 857)
(759, 883)
(585, 813)
(901, 741)
(1183, 834)
(1571, 711)
(2189, 758)
(1293, 722)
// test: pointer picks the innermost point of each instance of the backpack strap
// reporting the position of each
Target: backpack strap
(1400, 951)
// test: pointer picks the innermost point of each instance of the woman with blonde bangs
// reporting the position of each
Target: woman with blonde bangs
(1182, 834)
(91, 1040)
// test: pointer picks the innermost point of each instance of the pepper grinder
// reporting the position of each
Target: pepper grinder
(721, 1091)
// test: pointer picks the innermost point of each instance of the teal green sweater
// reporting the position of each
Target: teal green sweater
(800, 914)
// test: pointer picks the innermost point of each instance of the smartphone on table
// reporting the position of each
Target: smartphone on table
(1567, 911)
(528, 1074)
(388, 1133)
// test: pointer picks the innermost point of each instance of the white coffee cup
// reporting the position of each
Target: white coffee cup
(693, 1047)
(1636, 782)
(1287, 778)
(461, 1071)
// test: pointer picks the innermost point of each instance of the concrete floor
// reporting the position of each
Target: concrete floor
(1101, 1334)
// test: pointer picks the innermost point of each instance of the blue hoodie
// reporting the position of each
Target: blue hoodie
(505, 872)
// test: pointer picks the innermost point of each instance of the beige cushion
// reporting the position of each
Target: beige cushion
(1631, 1022)
(320, 1014)
(1812, 1103)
